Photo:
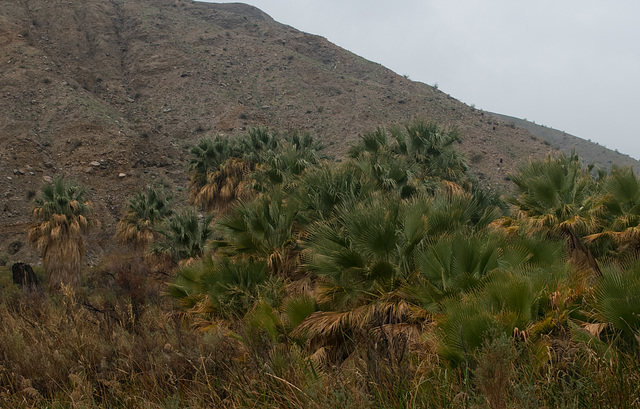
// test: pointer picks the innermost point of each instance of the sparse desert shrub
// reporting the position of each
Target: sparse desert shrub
(14, 247)
(494, 370)
(476, 158)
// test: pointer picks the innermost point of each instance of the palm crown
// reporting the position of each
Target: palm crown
(62, 218)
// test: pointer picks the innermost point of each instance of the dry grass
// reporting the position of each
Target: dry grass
(118, 342)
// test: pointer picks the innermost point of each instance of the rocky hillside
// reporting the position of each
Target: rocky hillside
(591, 152)
(113, 92)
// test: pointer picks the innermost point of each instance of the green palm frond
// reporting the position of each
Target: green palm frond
(620, 213)
(322, 191)
(185, 236)
(226, 288)
(458, 263)
(503, 303)
(559, 197)
(554, 191)
(264, 228)
(617, 300)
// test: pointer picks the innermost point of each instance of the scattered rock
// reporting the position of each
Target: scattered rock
(47, 179)
(94, 163)
(122, 175)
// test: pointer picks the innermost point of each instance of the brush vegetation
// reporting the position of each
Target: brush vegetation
(389, 279)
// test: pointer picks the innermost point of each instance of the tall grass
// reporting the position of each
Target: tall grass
(89, 349)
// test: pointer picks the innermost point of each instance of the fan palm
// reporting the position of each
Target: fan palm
(430, 145)
(225, 287)
(144, 213)
(61, 211)
(322, 191)
(207, 156)
(185, 236)
(621, 218)
(457, 263)
(371, 247)
(255, 143)
(224, 185)
(264, 229)
(617, 301)
(559, 196)
(412, 158)
(294, 154)
(375, 160)
(367, 250)
(506, 302)
(453, 265)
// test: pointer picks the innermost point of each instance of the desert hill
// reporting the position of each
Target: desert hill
(591, 152)
(113, 92)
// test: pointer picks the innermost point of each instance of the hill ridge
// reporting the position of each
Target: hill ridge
(591, 152)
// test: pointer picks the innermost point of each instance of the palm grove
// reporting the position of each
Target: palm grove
(394, 254)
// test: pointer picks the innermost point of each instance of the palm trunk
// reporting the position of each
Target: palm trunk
(580, 255)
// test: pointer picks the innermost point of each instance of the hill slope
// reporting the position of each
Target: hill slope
(112, 93)
(590, 151)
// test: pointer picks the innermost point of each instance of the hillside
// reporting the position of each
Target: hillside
(591, 152)
(112, 93)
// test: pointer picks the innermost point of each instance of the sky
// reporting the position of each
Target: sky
(573, 65)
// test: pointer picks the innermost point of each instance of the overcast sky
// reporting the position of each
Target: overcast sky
(573, 65)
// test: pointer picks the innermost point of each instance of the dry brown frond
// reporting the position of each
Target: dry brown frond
(506, 225)
(74, 227)
(56, 233)
(595, 329)
(222, 186)
(62, 260)
(452, 188)
(324, 325)
(319, 357)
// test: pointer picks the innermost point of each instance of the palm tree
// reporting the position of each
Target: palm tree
(388, 262)
(617, 302)
(508, 301)
(621, 218)
(224, 170)
(144, 213)
(208, 155)
(224, 287)
(263, 229)
(322, 191)
(62, 214)
(375, 159)
(559, 197)
(185, 236)
(294, 154)
(415, 158)
(430, 145)
(256, 142)
(223, 186)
